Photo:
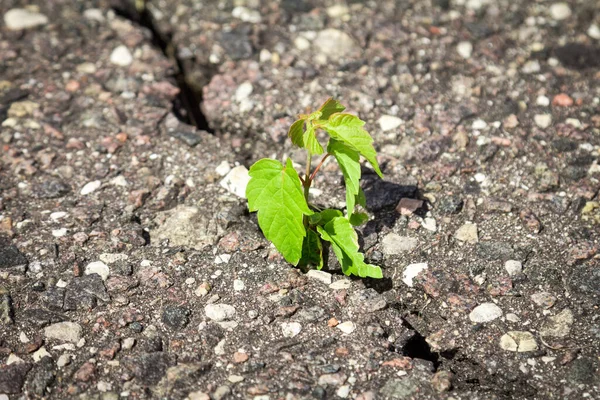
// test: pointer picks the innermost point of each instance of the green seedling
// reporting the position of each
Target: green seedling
(280, 195)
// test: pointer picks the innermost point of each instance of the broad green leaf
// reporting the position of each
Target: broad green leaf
(357, 219)
(312, 250)
(296, 133)
(323, 217)
(275, 192)
(344, 241)
(311, 142)
(360, 198)
(330, 106)
(349, 162)
(348, 128)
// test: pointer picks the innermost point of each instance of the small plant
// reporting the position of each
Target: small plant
(280, 195)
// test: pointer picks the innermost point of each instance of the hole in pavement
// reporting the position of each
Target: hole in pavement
(186, 107)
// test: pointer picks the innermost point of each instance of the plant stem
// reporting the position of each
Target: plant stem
(307, 180)
(319, 166)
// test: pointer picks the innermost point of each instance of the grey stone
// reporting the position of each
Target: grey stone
(84, 293)
(310, 314)
(10, 256)
(368, 300)
(149, 368)
(6, 309)
(190, 138)
(494, 250)
(219, 312)
(64, 332)
(399, 388)
(559, 325)
(485, 312)
(187, 227)
(12, 377)
(393, 244)
(51, 189)
(451, 204)
(176, 317)
(41, 377)
(583, 370)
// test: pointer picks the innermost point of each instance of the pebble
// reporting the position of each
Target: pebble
(128, 343)
(542, 101)
(531, 67)
(320, 276)
(559, 325)
(560, 11)
(246, 14)
(236, 181)
(121, 56)
(97, 267)
(407, 206)
(243, 91)
(90, 187)
(64, 331)
(20, 18)
(63, 360)
(543, 121)
(485, 312)
(518, 341)
(393, 244)
(594, 31)
(334, 43)
(513, 267)
(57, 233)
(301, 43)
(219, 312)
(235, 378)
(238, 285)
(39, 354)
(479, 124)
(442, 381)
(430, 224)
(202, 290)
(343, 391)
(290, 329)
(543, 299)
(55, 216)
(347, 327)
(223, 168)
(467, 233)
(111, 258)
(221, 393)
(411, 271)
(341, 284)
(465, 49)
(199, 395)
(176, 317)
(13, 359)
(389, 122)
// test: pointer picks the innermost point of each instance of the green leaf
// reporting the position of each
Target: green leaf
(323, 217)
(361, 198)
(349, 162)
(344, 241)
(275, 192)
(311, 142)
(357, 219)
(330, 106)
(296, 133)
(312, 250)
(348, 128)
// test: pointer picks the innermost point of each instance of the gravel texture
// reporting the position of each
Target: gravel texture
(130, 267)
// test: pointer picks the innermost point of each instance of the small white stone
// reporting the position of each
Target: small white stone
(341, 284)
(94, 14)
(393, 244)
(90, 187)
(518, 341)
(243, 91)
(20, 18)
(64, 331)
(542, 101)
(55, 216)
(63, 360)
(343, 391)
(57, 233)
(61, 284)
(465, 49)
(531, 67)
(223, 168)
(238, 285)
(479, 124)
(485, 312)
(236, 181)
(334, 44)
(512, 317)
(430, 224)
(121, 56)
(513, 267)
(411, 271)
(301, 43)
(119, 181)
(265, 56)
(389, 122)
(338, 11)
(103, 386)
(39, 354)
(219, 312)
(467, 233)
(220, 348)
(321, 276)
(235, 378)
(347, 327)
(14, 359)
(560, 11)
(23, 337)
(246, 15)
(222, 259)
(97, 267)
(290, 329)
(543, 121)
(190, 281)
(594, 31)
(128, 343)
